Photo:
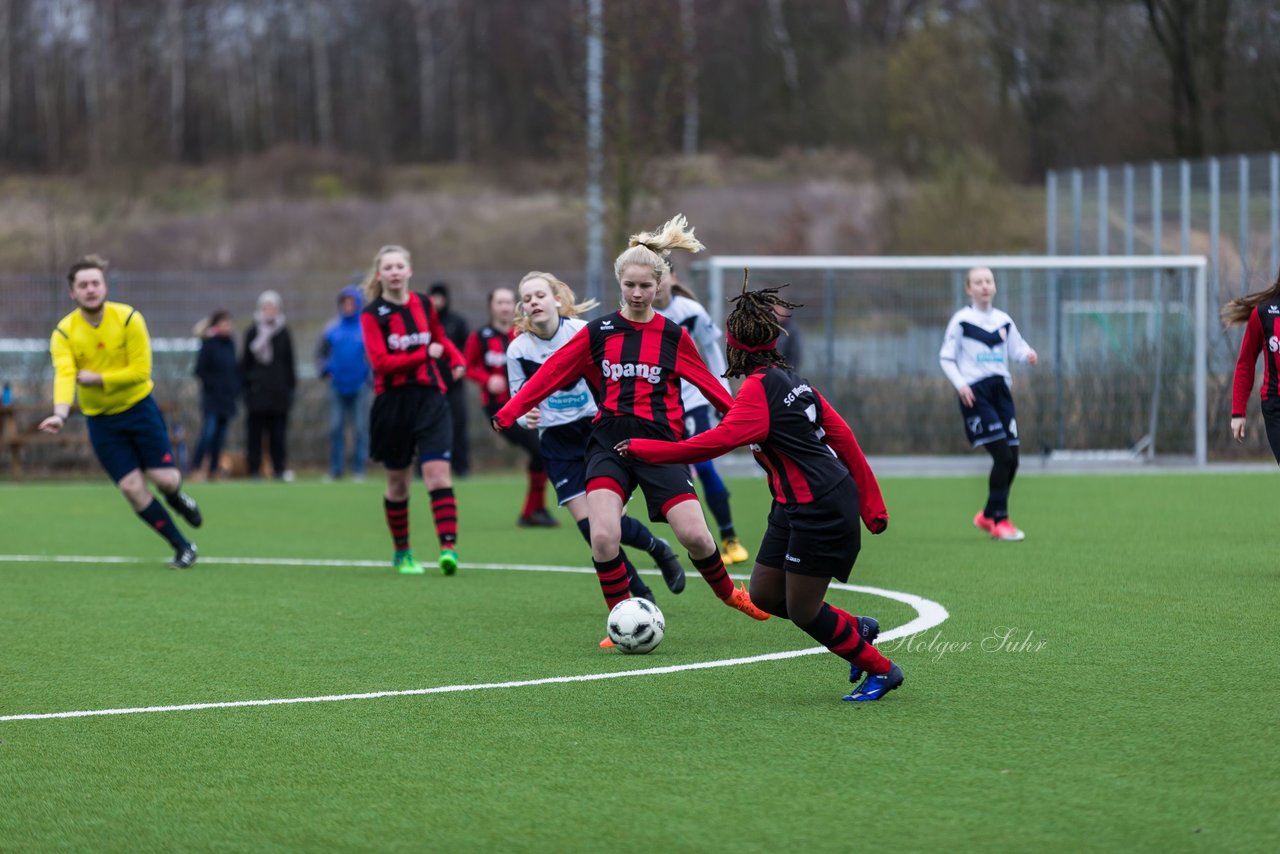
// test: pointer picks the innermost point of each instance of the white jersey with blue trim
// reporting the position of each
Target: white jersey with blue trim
(979, 344)
(527, 353)
(706, 335)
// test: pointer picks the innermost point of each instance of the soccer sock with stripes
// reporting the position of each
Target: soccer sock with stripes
(444, 509)
(158, 519)
(717, 496)
(713, 572)
(398, 522)
(634, 582)
(614, 583)
(535, 498)
(634, 533)
(838, 631)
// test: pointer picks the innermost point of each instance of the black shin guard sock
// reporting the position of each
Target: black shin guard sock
(159, 520)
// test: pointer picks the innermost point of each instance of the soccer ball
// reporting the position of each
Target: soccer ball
(635, 626)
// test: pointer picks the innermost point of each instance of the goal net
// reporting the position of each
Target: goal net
(1121, 344)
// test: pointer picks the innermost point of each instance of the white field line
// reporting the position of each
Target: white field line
(928, 615)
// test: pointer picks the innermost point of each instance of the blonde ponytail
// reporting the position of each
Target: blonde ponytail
(650, 248)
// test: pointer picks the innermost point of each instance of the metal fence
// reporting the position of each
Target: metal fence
(1227, 209)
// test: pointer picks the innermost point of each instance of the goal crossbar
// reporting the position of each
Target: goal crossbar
(722, 269)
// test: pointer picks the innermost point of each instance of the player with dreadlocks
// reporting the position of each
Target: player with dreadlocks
(820, 482)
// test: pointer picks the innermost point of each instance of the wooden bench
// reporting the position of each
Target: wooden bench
(19, 430)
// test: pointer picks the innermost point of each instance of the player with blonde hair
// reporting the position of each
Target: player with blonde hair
(634, 359)
(548, 319)
(410, 419)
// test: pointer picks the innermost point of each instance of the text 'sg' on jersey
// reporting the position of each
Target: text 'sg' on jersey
(801, 466)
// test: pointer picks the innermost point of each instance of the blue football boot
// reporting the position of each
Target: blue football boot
(876, 685)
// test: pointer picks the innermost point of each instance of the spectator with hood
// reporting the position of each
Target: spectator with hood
(341, 360)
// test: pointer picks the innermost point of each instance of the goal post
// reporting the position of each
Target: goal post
(1122, 340)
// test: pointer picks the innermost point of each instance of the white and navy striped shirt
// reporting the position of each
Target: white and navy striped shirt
(979, 344)
(527, 353)
(710, 340)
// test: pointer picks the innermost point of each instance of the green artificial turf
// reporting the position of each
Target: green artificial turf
(1110, 683)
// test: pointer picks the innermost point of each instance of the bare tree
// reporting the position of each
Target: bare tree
(782, 40)
(320, 79)
(424, 37)
(460, 56)
(6, 66)
(175, 42)
(1192, 33)
(689, 67)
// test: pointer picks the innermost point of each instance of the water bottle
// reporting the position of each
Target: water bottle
(6, 397)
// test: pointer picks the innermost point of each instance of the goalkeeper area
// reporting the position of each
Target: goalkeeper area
(1122, 341)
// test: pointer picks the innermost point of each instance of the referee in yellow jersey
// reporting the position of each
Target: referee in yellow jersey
(103, 351)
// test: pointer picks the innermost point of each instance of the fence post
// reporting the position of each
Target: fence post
(1077, 211)
(1243, 166)
(1275, 215)
(1051, 212)
(829, 322)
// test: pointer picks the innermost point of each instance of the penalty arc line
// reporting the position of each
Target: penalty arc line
(929, 614)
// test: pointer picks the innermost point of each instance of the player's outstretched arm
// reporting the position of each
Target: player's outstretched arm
(747, 421)
(838, 435)
(689, 366)
(565, 367)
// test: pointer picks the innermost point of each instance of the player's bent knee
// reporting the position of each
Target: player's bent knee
(169, 480)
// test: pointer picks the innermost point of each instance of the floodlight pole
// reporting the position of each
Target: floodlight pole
(595, 147)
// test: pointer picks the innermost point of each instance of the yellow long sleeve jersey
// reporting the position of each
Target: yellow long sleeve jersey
(119, 348)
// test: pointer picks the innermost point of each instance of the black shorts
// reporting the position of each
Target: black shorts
(564, 450)
(407, 421)
(663, 486)
(822, 538)
(991, 418)
(133, 439)
(1271, 420)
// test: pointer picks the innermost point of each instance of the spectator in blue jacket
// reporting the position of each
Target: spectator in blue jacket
(219, 375)
(340, 359)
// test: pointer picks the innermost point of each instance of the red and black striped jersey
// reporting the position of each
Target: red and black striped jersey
(799, 439)
(396, 338)
(486, 356)
(1261, 335)
(634, 368)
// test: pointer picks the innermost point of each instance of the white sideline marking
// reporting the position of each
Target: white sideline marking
(929, 614)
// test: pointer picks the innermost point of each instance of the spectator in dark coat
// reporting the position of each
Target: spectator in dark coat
(219, 388)
(269, 378)
(455, 327)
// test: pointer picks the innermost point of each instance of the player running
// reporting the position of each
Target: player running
(820, 482)
(410, 419)
(634, 359)
(676, 302)
(102, 352)
(1260, 312)
(547, 319)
